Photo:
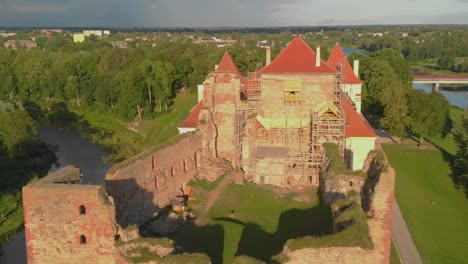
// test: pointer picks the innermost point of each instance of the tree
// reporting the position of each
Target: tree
(429, 113)
(17, 129)
(446, 62)
(460, 161)
(378, 76)
(395, 118)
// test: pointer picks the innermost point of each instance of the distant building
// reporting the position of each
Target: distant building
(7, 34)
(402, 34)
(78, 37)
(15, 44)
(220, 43)
(49, 32)
(376, 34)
(97, 33)
(119, 44)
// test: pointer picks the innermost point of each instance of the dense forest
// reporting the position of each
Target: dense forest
(129, 82)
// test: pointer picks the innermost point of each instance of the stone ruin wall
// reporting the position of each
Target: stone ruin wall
(380, 226)
(53, 224)
(221, 100)
(144, 187)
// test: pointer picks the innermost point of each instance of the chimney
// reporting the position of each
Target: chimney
(216, 67)
(201, 90)
(268, 55)
(356, 68)
(317, 57)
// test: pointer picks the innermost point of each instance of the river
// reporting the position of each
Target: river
(73, 149)
(456, 98)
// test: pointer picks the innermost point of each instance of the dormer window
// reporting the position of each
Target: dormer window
(292, 91)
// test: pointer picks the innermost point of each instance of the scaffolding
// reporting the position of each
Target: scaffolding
(241, 117)
(254, 92)
(301, 167)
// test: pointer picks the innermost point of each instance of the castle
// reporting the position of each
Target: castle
(269, 126)
(273, 123)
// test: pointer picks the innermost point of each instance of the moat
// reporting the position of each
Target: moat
(73, 149)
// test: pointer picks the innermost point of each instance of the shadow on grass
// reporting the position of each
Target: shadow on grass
(207, 239)
(257, 243)
(459, 179)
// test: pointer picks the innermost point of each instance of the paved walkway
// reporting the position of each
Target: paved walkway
(403, 241)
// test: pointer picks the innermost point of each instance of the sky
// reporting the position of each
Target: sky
(236, 13)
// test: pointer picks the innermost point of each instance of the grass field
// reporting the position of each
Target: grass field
(430, 66)
(261, 225)
(394, 258)
(434, 210)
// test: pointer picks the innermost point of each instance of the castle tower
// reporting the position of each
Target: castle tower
(221, 100)
(351, 83)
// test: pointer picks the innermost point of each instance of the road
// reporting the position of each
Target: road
(402, 238)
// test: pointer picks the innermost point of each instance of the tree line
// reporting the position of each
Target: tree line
(130, 82)
(390, 102)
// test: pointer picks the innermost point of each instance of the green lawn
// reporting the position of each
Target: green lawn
(430, 66)
(261, 225)
(394, 258)
(434, 210)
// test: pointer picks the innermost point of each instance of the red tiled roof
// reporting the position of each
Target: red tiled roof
(297, 57)
(192, 119)
(356, 124)
(338, 57)
(227, 65)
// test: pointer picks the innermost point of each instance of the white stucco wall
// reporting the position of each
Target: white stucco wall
(354, 93)
(183, 130)
(359, 147)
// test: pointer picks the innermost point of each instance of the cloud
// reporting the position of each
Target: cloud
(215, 13)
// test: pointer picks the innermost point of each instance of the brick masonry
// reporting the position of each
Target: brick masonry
(54, 224)
(147, 185)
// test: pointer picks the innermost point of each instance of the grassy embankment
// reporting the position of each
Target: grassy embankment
(123, 141)
(430, 66)
(435, 211)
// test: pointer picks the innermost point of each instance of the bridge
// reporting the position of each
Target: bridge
(436, 80)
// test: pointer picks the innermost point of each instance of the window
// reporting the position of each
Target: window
(82, 210)
(292, 96)
(351, 183)
(292, 91)
(82, 240)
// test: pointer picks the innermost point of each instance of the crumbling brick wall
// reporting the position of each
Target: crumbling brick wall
(145, 186)
(69, 223)
(221, 99)
(337, 186)
(380, 226)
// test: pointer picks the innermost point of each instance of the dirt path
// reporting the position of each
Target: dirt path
(214, 195)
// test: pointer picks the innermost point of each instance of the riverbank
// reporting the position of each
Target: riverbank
(119, 138)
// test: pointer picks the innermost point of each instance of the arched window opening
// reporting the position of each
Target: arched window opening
(351, 183)
(82, 210)
(82, 240)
